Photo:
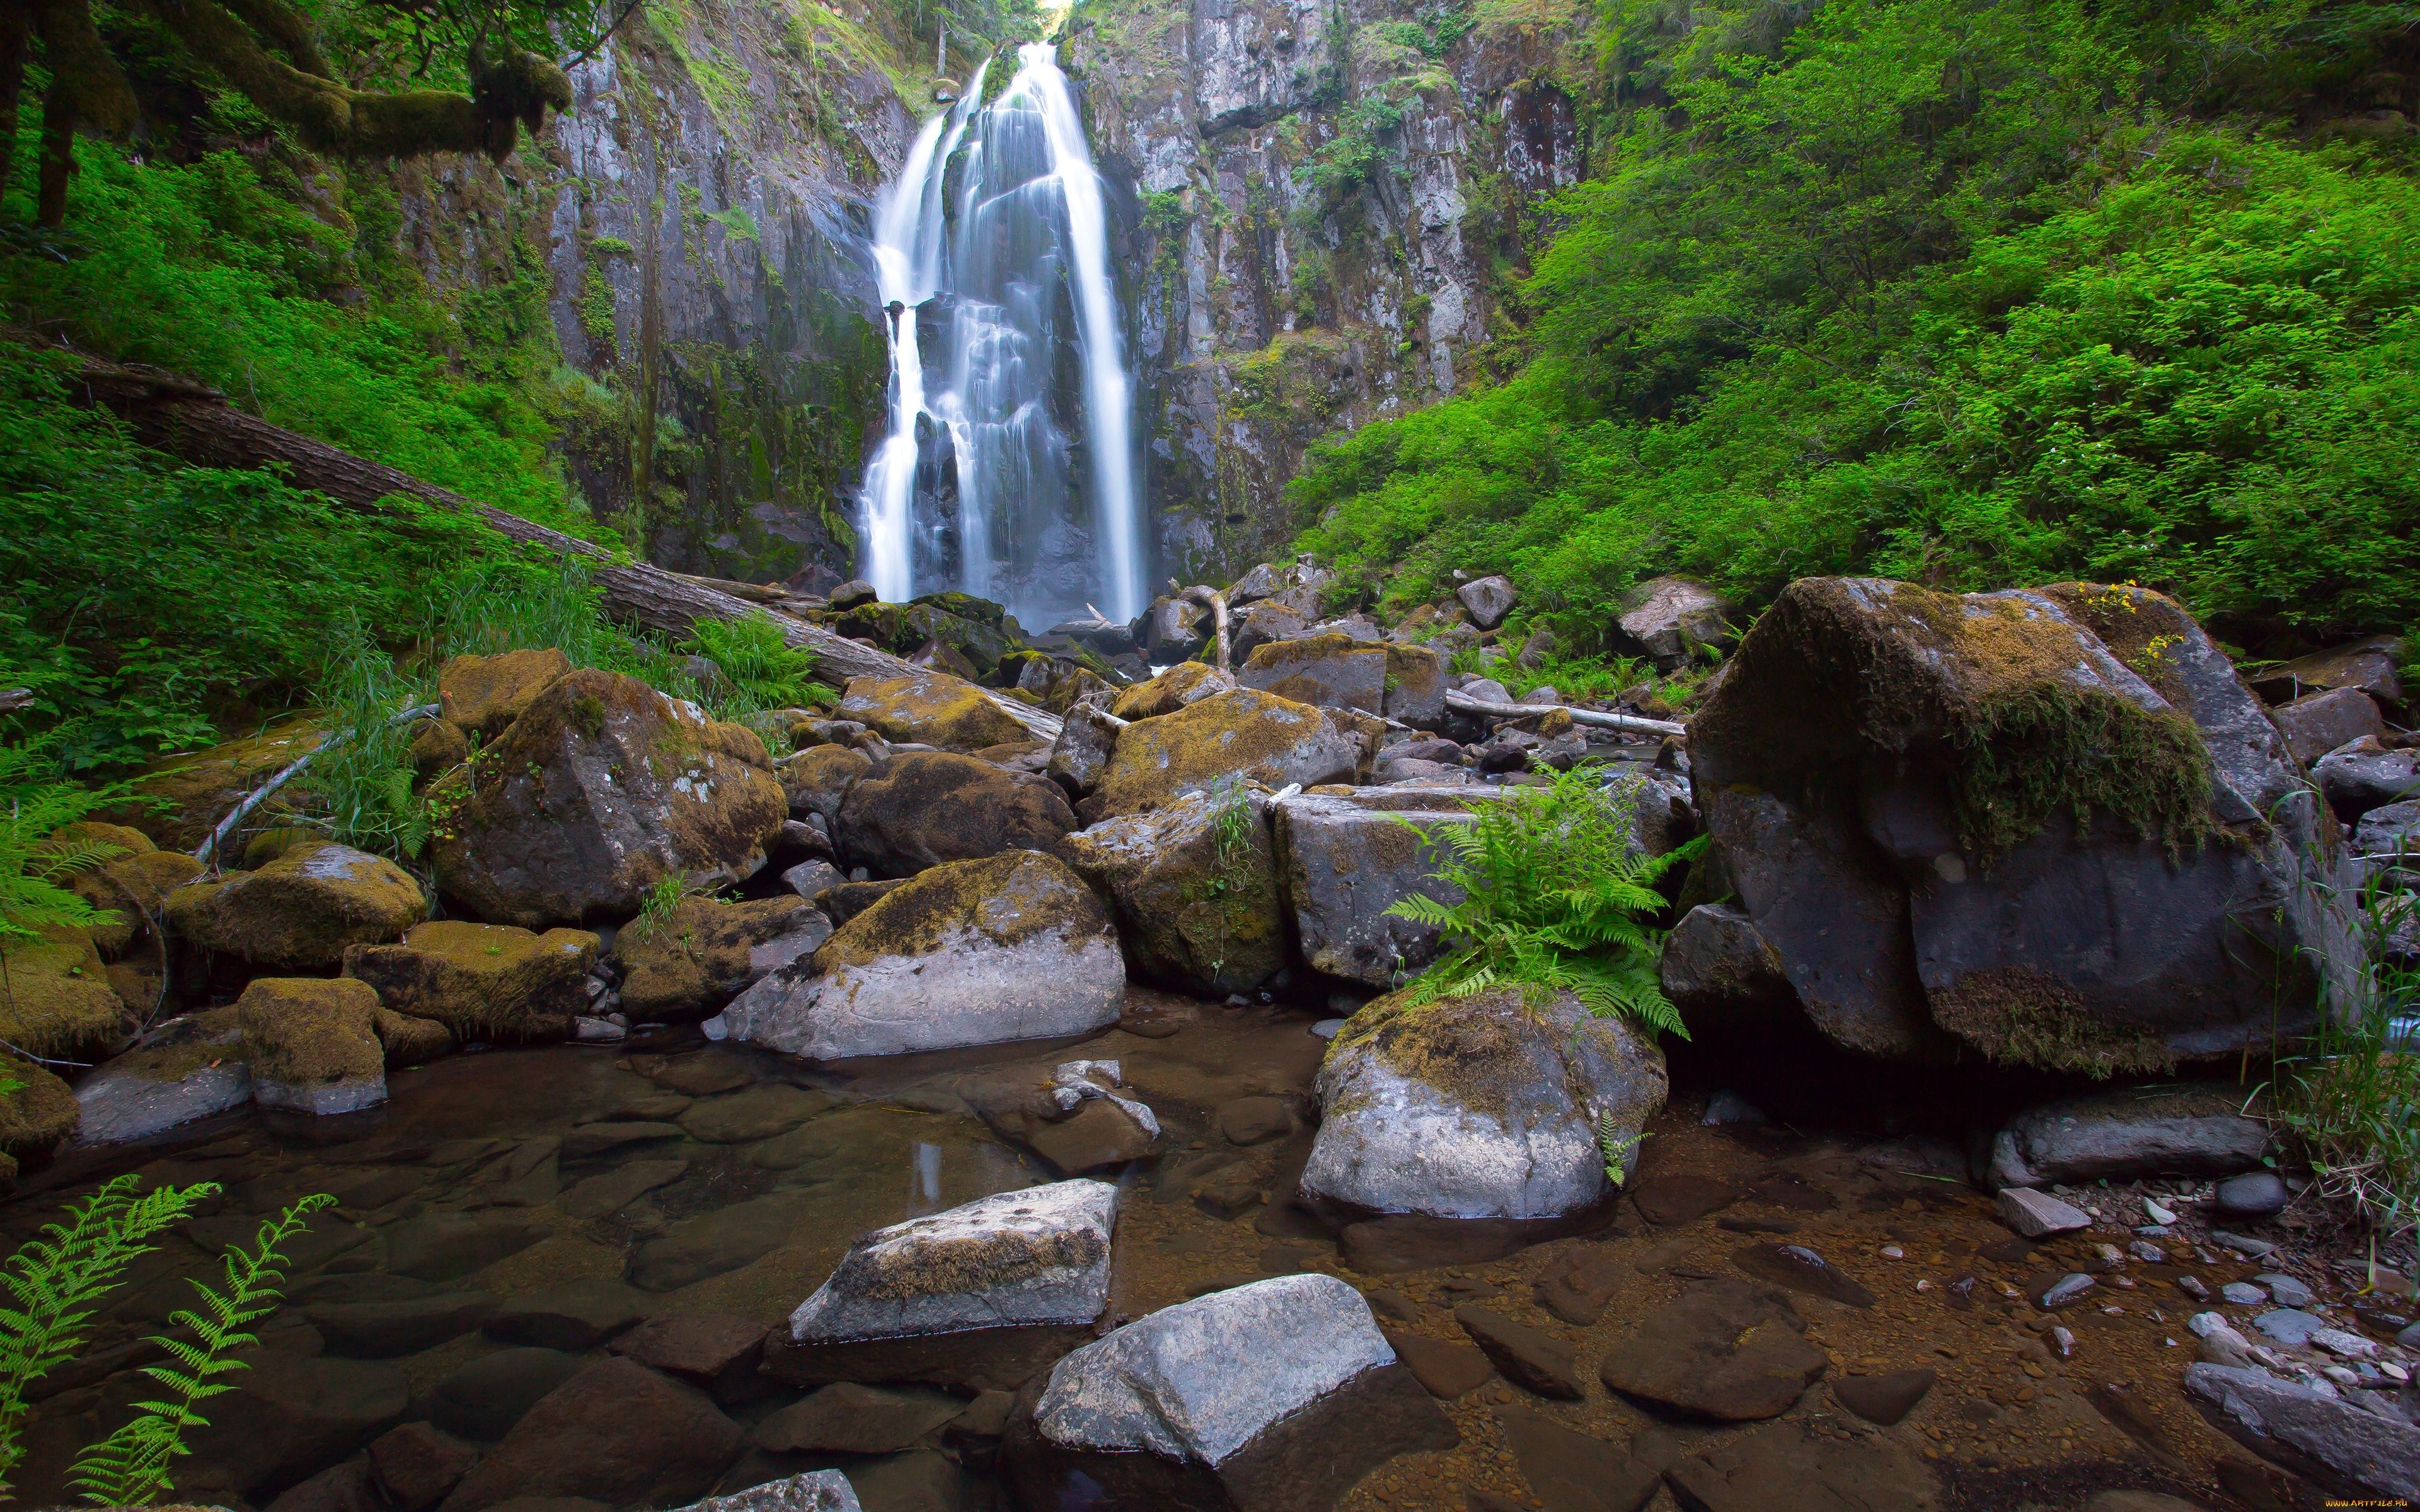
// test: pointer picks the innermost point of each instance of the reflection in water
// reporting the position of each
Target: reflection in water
(925, 1194)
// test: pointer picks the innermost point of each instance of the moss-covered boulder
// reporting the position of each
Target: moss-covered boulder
(135, 887)
(1492, 1106)
(603, 788)
(1416, 683)
(437, 747)
(301, 911)
(38, 1114)
(482, 694)
(1182, 686)
(408, 1041)
(1241, 734)
(482, 982)
(1194, 888)
(2051, 826)
(194, 791)
(1333, 670)
(55, 1000)
(1012, 946)
(313, 1045)
(930, 709)
(923, 808)
(706, 952)
(816, 780)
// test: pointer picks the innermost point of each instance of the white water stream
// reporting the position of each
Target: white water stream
(1009, 469)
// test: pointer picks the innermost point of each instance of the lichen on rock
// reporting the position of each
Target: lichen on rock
(301, 911)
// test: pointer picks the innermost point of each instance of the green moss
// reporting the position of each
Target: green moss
(2029, 753)
(596, 312)
(2019, 1016)
(588, 715)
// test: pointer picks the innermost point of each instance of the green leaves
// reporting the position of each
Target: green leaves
(1555, 899)
(32, 865)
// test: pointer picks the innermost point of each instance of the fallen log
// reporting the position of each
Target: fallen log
(174, 414)
(1628, 725)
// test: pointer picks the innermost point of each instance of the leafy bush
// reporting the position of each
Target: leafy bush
(1556, 898)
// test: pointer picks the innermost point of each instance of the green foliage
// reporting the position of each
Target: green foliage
(130, 1467)
(762, 671)
(363, 777)
(1354, 157)
(1557, 898)
(55, 1281)
(32, 867)
(1960, 292)
(1615, 1147)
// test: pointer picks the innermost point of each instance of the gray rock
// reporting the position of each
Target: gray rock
(1415, 686)
(1194, 888)
(1487, 690)
(1487, 600)
(2289, 1291)
(2290, 1325)
(2368, 664)
(717, 1240)
(2318, 723)
(1160, 1404)
(2337, 1341)
(382, 1330)
(1010, 947)
(1501, 1118)
(141, 1094)
(2037, 1214)
(1087, 734)
(1264, 624)
(1334, 672)
(1173, 630)
(2124, 1136)
(1722, 975)
(2387, 840)
(2254, 1194)
(2380, 1455)
(1669, 620)
(2244, 1294)
(817, 1490)
(617, 1432)
(2366, 775)
(2067, 1288)
(810, 878)
(2243, 1243)
(1342, 862)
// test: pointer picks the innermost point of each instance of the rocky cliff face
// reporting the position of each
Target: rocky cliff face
(1326, 198)
(701, 218)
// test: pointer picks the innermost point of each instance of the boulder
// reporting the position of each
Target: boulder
(2368, 664)
(1173, 630)
(418, 1464)
(1671, 621)
(1298, 583)
(1893, 779)
(59, 1003)
(616, 1433)
(2318, 723)
(37, 1115)
(479, 982)
(132, 885)
(194, 792)
(1013, 947)
(1077, 1116)
(311, 1044)
(813, 1490)
(437, 747)
(186, 1069)
(295, 1416)
(930, 709)
(706, 952)
(1480, 1106)
(603, 788)
(1415, 686)
(575, 1315)
(1157, 1413)
(817, 780)
(2359, 1452)
(1487, 600)
(1263, 623)
(1181, 686)
(481, 695)
(2387, 840)
(1341, 862)
(1241, 734)
(1078, 758)
(2183, 1130)
(484, 1398)
(982, 1295)
(1194, 889)
(924, 808)
(1334, 672)
(2368, 773)
(299, 912)
(854, 593)
(1723, 977)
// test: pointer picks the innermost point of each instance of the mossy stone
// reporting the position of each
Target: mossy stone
(482, 982)
(36, 1116)
(135, 887)
(311, 1031)
(1240, 734)
(691, 961)
(409, 1041)
(481, 695)
(930, 709)
(1194, 886)
(1187, 683)
(1006, 899)
(55, 999)
(301, 911)
(199, 788)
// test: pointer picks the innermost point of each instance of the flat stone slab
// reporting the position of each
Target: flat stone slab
(1885, 1400)
(2283, 1421)
(1725, 1350)
(2038, 1214)
(1788, 1466)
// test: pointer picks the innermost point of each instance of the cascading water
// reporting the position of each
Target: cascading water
(1009, 469)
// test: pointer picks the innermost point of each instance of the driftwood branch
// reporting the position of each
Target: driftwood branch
(187, 420)
(235, 816)
(1628, 725)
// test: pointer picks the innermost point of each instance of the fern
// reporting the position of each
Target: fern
(1556, 898)
(1615, 1147)
(764, 671)
(32, 867)
(55, 1282)
(130, 1466)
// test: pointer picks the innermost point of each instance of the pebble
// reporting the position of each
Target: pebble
(2153, 1231)
(2244, 1244)
(597, 1032)
(2341, 1375)
(2338, 1342)
(2062, 1343)
(2147, 1252)
(2244, 1294)
(2159, 1215)
(2410, 1337)
(2192, 1286)
(2254, 1194)
(2289, 1291)
(1892, 1252)
(2067, 1288)
(2393, 1372)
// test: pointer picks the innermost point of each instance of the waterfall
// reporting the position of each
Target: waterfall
(1008, 471)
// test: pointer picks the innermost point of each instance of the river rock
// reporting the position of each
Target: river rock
(59, 1002)
(1885, 1400)
(1480, 1107)
(1076, 1116)
(382, 1330)
(929, 709)
(616, 1433)
(1241, 734)
(603, 788)
(2387, 840)
(1194, 888)
(2318, 723)
(483, 694)
(755, 1113)
(37, 1115)
(2142, 1132)
(1725, 1350)
(1087, 734)
(1173, 629)
(187, 1069)
(2253, 1195)
(2363, 1452)
(1157, 1413)
(1270, 621)
(1908, 917)
(816, 780)
(717, 1240)
(575, 1315)
(1487, 600)
(1181, 686)
(817, 1490)
(1530, 1358)
(418, 1464)
(848, 1418)
(982, 1295)
(443, 1246)
(610, 1192)
(1415, 678)
(706, 951)
(1671, 621)
(717, 1352)
(482, 982)
(133, 886)
(1013, 947)
(484, 1398)
(1343, 861)
(295, 1415)
(1334, 672)
(1723, 977)
(313, 1045)
(925, 807)
(409, 1041)
(2367, 774)
(299, 912)
(1788, 1465)
(2038, 1214)
(2368, 664)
